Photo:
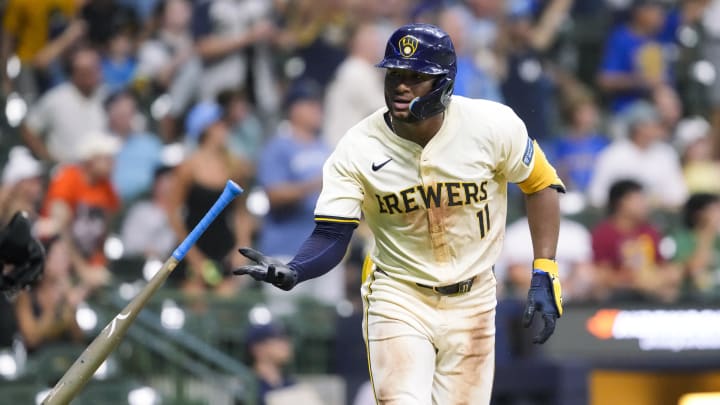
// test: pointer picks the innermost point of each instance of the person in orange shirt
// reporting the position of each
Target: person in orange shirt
(80, 203)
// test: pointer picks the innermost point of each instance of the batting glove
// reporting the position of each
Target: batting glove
(545, 296)
(268, 270)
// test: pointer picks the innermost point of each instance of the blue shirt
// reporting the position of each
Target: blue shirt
(626, 52)
(118, 76)
(471, 81)
(135, 165)
(575, 158)
(286, 160)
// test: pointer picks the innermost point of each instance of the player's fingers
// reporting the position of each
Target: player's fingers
(547, 330)
(271, 277)
(253, 255)
(255, 271)
(529, 313)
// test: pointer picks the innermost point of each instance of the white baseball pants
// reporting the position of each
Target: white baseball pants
(429, 349)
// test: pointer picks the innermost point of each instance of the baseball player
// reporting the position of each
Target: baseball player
(429, 173)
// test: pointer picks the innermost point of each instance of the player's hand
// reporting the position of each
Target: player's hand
(267, 269)
(544, 296)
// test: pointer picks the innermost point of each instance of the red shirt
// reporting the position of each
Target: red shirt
(636, 249)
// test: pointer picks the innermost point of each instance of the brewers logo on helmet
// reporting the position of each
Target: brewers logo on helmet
(408, 45)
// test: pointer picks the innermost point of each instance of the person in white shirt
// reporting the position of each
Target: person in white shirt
(574, 259)
(66, 116)
(643, 157)
(350, 99)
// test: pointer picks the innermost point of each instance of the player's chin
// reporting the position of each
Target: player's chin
(400, 114)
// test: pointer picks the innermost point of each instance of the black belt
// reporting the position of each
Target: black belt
(458, 288)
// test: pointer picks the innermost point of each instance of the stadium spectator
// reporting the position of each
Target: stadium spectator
(626, 249)
(39, 33)
(574, 257)
(269, 351)
(142, 8)
(225, 32)
(46, 313)
(643, 156)
(476, 77)
(22, 185)
(290, 172)
(139, 154)
(119, 64)
(698, 246)
(316, 34)
(575, 153)
(528, 87)
(246, 131)
(348, 100)
(105, 18)
(636, 62)
(693, 140)
(669, 109)
(81, 202)
(66, 117)
(167, 61)
(486, 17)
(199, 181)
(146, 230)
(693, 40)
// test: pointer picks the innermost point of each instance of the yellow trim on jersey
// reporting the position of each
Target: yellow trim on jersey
(367, 268)
(338, 219)
(542, 176)
(367, 331)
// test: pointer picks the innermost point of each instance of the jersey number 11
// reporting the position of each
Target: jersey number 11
(484, 220)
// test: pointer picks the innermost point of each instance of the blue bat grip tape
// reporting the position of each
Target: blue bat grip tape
(231, 191)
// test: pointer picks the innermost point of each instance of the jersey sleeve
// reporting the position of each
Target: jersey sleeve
(522, 161)
(342, 192)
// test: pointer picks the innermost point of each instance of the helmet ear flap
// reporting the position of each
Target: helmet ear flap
(435, 101)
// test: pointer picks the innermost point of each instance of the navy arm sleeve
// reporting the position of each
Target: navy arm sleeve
(322, 250)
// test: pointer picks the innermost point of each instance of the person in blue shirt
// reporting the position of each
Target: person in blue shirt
(473, 78)
(290, 171)
(575, 152)
(636, 60)
(140, 153)
(119, 63)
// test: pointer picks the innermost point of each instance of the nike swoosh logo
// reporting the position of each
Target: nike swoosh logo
(378, 167)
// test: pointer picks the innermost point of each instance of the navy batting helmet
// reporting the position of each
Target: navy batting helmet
(427, 49)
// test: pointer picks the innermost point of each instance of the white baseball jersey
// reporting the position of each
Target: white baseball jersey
(437, 212)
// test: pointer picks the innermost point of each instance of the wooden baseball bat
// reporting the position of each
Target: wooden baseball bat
(84, 367)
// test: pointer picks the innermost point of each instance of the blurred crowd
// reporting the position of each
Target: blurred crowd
(125, 118)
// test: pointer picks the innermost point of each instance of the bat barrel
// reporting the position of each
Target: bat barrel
(84, 367)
